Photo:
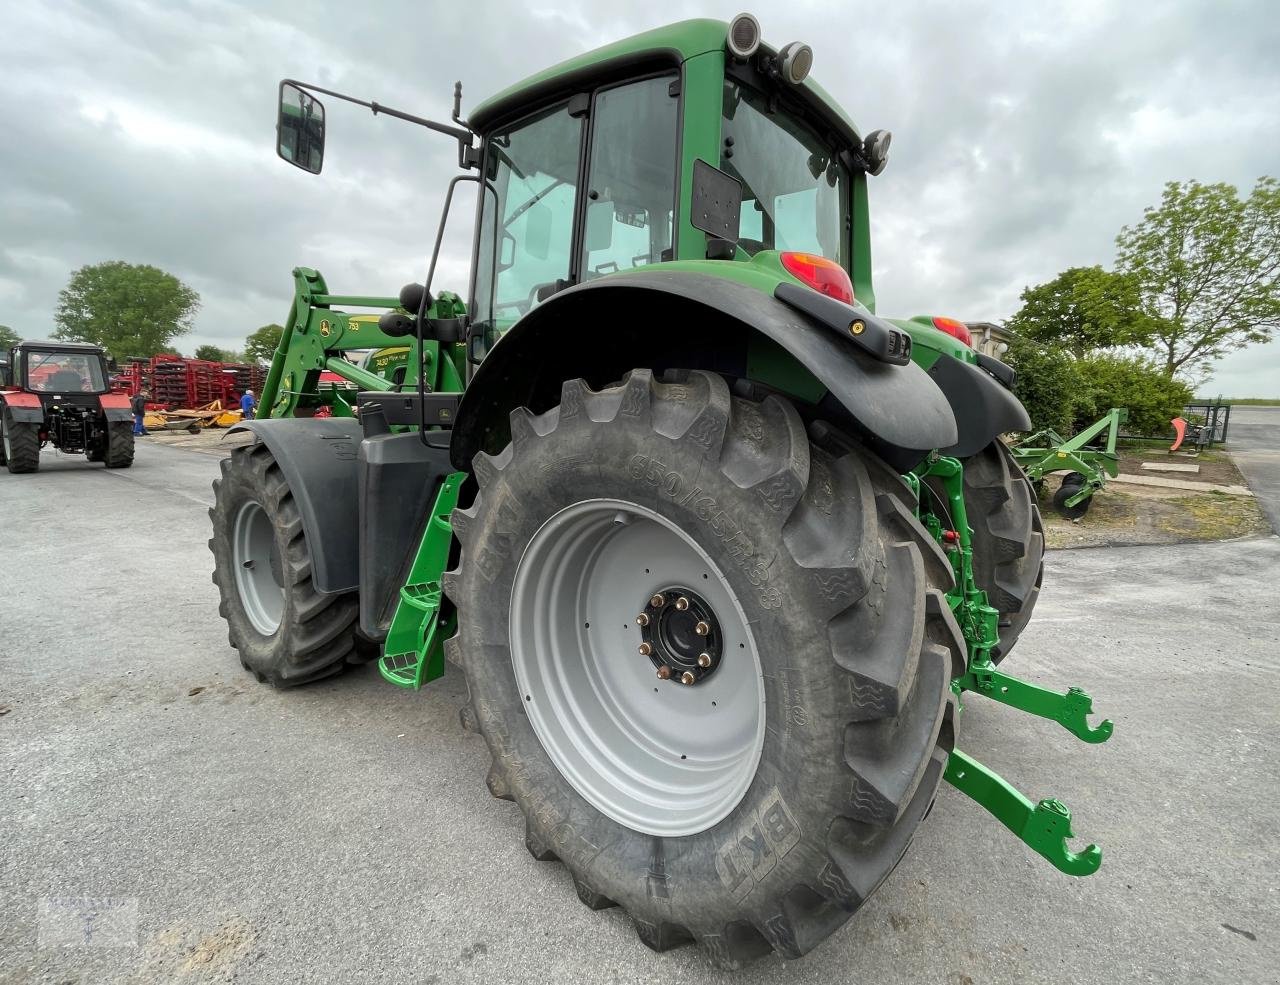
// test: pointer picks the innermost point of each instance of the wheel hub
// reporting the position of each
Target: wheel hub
(681, 635)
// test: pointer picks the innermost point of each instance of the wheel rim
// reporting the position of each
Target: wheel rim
(259, 579)
(656, 755)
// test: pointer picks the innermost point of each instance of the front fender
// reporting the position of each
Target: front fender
(318, 457)
(682, 320)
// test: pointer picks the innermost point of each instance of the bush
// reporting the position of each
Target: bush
(1048, 384)
(1153, 399)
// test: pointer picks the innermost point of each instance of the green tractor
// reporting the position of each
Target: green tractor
(717, 548)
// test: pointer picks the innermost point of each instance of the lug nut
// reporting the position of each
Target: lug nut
(682, 603)
(687, 677)
(642, 619)
(704, 660)
(702, 629)
(658, 601)
(664, 673)
(645, 649)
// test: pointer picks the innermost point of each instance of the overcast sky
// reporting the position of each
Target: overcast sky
(1025, 136)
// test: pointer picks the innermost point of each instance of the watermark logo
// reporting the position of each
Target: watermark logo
(86, 922)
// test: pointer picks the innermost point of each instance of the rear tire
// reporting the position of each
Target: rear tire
(287, 632)
(20, 445)
(815, 566)
(119, 450)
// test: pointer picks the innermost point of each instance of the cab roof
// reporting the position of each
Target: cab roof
(59, 346)
(672, 44)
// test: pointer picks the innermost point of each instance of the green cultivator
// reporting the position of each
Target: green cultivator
(717, 548)
(1087, 459)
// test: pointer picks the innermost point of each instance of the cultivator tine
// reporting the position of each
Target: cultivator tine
(1043, 827)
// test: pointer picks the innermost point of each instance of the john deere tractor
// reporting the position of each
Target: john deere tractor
(717, 548)
(59, 394)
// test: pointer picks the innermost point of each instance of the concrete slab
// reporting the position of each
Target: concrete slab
(1187, 484)
(1170, 467)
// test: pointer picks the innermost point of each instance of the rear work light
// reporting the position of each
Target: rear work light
(956, 329)
(823, 275)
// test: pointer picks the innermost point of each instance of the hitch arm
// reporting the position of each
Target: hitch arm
(1043, 827)
(1070, 710)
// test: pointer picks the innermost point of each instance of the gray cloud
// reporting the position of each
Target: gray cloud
(1025, 136)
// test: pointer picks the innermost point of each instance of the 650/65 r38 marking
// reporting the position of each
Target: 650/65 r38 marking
(710, 657)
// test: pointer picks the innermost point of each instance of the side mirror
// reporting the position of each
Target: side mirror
(300, 128)
(599, 226)
(4, 372)
(112, 365)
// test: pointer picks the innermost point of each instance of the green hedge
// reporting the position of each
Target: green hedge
(1069, 394)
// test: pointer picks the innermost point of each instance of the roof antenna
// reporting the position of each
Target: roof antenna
(457, 103)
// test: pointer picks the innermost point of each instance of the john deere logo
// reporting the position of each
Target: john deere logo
(324, 328)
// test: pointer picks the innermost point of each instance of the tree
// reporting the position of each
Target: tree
(8, 338)
(128, 309)
(260, 346)
(1048, 383)
(1206, 264)
(1084, 309)
(214, 354)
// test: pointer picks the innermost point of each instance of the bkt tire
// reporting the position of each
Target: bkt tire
(710, 657)
(19, 444)
(287, 632)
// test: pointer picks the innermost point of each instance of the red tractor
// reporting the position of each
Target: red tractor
(59, 393)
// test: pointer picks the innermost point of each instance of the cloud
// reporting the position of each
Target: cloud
(1025, 137)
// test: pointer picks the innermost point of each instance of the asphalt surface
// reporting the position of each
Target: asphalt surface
(1254, 438)
(163, 818)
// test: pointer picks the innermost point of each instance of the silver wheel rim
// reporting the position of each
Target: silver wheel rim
(257, 566)
(655, 755)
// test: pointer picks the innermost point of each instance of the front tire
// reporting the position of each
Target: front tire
(287, 632)
(744, 827)
(21, 444)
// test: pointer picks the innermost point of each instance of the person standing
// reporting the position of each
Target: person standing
(247, 404)
(139, 405)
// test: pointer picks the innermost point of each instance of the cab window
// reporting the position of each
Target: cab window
(795, 193)
(64, 372)
(631, 178)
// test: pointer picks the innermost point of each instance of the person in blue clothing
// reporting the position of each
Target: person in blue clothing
(139, 405)
(247, 403)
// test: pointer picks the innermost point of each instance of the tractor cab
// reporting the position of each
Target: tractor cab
(60, 370)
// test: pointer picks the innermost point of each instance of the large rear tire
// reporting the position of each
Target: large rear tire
(287, 632)
(758, 806)
(1008, 539)
(119, 451)
(21, 444)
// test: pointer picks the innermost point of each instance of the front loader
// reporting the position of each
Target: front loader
(717, 548)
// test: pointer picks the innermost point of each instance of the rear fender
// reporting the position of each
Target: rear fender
(319, 459)
(680, 320)
(984, 407)
(25, 408)
(115, 406)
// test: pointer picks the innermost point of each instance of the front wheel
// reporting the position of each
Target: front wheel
(287, 632)
(118, 453)
(710, 658)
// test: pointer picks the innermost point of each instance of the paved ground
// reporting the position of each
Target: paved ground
(1254, 434)
(343, 832)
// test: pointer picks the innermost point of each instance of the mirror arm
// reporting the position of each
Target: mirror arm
(459, 134)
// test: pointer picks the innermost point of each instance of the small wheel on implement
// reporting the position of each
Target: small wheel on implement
(287, 632)
(711, 659)
(1072, 483)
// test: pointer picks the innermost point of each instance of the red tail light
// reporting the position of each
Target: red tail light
(956, 329)
(823, 275)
